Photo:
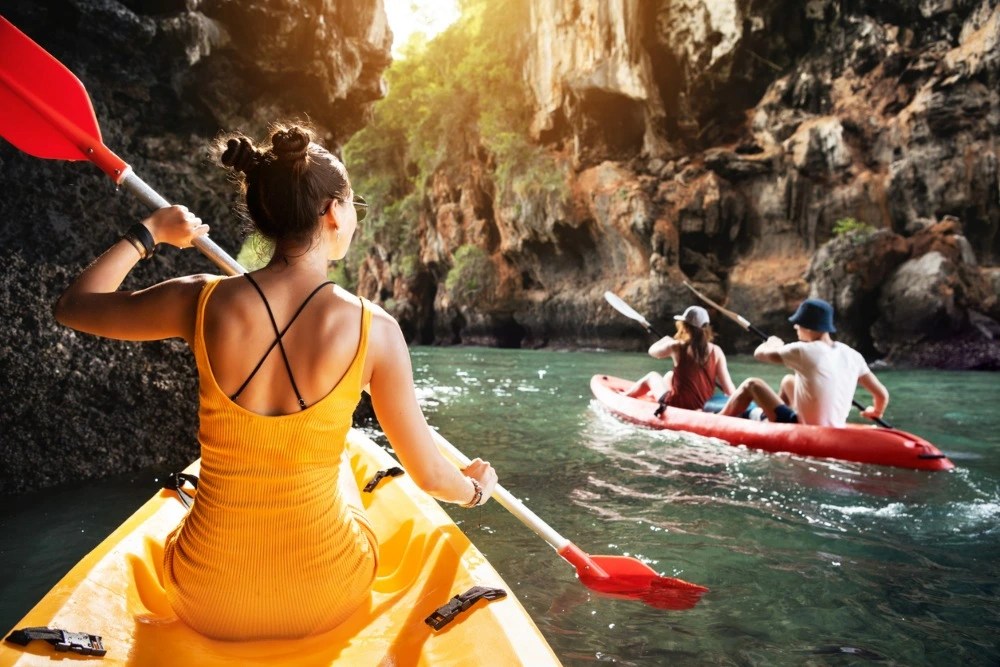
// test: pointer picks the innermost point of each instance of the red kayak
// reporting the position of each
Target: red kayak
(855, 442)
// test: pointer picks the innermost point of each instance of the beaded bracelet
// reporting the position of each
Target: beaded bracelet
(139, 236)
(476, 497)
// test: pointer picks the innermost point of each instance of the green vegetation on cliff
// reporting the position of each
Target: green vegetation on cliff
(459, 98)
(846, 226)
(471, 275)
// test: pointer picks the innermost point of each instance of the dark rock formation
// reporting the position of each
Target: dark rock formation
(916, 300)
(165, 77)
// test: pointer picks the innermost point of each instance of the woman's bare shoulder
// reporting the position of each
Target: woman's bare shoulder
(186, 287)
(196, 281)
(385, 331)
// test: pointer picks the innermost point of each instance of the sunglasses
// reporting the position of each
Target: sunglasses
(360, 206)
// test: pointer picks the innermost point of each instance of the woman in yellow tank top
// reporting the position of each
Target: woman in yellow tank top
(277, 544)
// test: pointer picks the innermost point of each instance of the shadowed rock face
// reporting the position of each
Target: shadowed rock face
(720, 142)
(165, 77)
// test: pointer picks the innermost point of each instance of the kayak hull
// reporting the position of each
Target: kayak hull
(856, 442)
(424, 560)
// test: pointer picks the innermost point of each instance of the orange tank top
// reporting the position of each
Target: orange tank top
(270, 548)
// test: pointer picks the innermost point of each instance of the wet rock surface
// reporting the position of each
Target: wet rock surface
(164, 78)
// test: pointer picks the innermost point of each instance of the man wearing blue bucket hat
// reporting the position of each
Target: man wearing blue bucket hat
(827, 372)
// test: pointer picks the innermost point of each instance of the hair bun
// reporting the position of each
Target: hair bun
(290, 145)
(240, 154)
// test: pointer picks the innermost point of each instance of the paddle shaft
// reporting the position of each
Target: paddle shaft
(207, 246)
(124, 176)
(620, 576)
(745, 324)
(505, 498)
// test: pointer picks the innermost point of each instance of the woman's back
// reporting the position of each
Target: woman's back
(692, 383)
(271, 547)
(320, 344)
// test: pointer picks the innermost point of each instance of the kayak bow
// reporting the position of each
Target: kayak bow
(116, 592)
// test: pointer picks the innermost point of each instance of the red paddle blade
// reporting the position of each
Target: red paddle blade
(44, 108)
(632, 579)
(629, 578)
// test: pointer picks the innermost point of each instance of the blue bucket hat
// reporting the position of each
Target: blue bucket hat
(814, 314)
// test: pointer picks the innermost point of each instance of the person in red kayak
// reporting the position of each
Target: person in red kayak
(277, 544)
(826, 375)
(699, 364)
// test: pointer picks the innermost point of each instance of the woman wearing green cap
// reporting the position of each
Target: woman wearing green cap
(699, 364)
(826, 374)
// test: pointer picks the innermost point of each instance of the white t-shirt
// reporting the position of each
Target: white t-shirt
(826, 377)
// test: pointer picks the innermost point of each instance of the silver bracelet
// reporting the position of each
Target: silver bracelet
(476, 497)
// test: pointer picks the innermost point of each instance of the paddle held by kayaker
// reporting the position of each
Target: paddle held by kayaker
(277, 544)
(826, 374)
(699, 364)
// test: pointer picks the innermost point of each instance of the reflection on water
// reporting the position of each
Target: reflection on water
(809, 562)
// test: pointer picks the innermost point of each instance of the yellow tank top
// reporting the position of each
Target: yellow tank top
(270, 549)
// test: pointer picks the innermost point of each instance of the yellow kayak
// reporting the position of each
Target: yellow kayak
(425, 561)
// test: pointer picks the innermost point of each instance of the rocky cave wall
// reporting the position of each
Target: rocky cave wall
(165, 77)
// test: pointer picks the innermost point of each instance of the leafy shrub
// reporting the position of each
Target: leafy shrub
(255, 252)
(339, 274)
(449, 99)
(846, 226)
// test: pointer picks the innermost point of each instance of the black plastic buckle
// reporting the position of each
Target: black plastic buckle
(444, 615)
(63, 641)
(394, 471)
(175, 482)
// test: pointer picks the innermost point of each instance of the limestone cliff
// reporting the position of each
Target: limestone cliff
(165, 77)
(722, 141)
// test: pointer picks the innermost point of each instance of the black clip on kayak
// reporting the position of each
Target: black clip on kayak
(394, 471)
(445, 614)
(74, 642)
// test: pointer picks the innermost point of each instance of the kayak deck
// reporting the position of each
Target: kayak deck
(116, 592)
(855, 442)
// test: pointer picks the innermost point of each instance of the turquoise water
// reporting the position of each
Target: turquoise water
(802, 556)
